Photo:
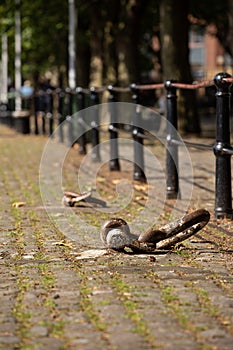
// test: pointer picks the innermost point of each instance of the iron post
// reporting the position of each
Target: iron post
(36, 104)
(137, 132)
(223, 190)
(60, 115)
(172, 181)
(50, 111)
(82, 132)
(94, 101)
(114, 164)
(69, 119)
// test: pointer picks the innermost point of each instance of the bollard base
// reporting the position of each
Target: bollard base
(6, 118)
(82, 150)
(140, 176)
(95, 158)
(220, 213)
(173, 193)
(21, 121)
(114, 165)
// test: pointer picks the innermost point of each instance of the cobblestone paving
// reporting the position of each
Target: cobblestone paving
(52, 298)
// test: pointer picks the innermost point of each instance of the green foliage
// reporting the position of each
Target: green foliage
(210, 10)
(44, 27)
(45, 30)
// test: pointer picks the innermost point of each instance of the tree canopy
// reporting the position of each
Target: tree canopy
(118, 32)
(114, 38)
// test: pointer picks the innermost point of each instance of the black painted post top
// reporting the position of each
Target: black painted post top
(135, 93)
(79, 91)
(80, 98)
(221, 82)
(222, 111)
(171, 89)
(94, 97)
(112, 94)
(171, 103)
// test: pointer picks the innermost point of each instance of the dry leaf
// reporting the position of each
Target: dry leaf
(116, 181)
(141, 187)
(92, 254)
(76, 146)
(63, 244)
(18, 204)
(140, 198)
(100, 179)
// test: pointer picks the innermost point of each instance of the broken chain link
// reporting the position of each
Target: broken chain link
(115, 233)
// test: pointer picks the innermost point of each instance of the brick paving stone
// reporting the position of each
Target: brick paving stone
(53, 299)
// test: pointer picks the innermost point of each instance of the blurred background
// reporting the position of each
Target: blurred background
(69, 43)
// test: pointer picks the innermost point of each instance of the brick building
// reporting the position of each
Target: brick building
(207, 55)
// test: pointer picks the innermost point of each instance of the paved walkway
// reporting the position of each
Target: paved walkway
(55, 295)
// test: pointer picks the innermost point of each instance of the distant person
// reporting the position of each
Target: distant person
(27, 90)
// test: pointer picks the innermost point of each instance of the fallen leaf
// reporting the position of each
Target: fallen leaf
(76, 146)
(141, 187)
(91, 254)
(28, 257)
(139, 198)
(63, 244)
(116, 181)
(100, 179)
(18, 204)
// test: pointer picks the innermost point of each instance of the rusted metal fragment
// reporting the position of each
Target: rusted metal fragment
(116, 234)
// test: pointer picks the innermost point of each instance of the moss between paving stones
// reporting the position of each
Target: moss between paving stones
(51, 300)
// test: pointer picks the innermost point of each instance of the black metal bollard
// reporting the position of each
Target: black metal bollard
(36, 109)
(94, 101)
(42, 110)
(137, 134)
(11, 102)
(60, 114)
(49, 113)
(69, 120)
(114, 164)
(223, 190)
(21, 120)
(82, 131)
(40, 107)
(172, 184)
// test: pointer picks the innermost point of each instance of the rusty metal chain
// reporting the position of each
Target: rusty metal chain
(115, 233)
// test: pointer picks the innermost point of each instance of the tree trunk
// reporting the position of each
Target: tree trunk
(96, 46)
(110, 57)
(229, 37)
(174, 30)
(83, 65)
(128, 41)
